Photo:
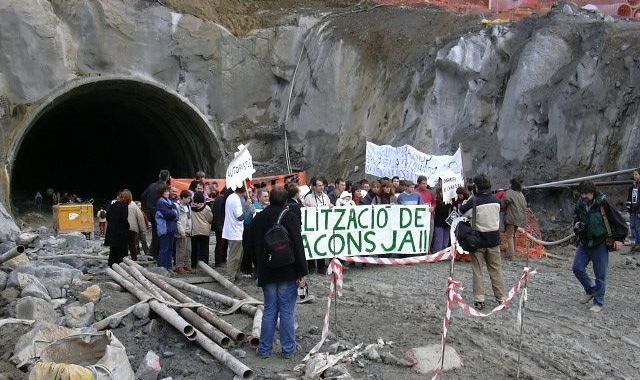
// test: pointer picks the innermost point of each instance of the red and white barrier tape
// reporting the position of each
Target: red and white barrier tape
(453, 297)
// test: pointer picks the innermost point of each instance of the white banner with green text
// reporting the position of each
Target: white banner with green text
(365, 230)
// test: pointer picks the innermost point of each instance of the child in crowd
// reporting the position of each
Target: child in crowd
(408, 196)
(345, 200)
(183, 238)
(102, 221)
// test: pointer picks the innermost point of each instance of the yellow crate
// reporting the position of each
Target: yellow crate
(73, 217)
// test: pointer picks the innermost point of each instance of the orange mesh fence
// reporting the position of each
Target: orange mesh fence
(536, 251)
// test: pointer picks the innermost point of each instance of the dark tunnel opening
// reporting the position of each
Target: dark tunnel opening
(102, 137)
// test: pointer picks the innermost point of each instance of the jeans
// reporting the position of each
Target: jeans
(167, 244)
(634, 218)
(599, 256)
(279, 301)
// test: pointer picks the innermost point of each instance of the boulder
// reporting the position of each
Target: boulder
(74, 241)
(91, 294)
(9, 295)
(31, 286)
(36, 309)
(425, 359)
(141, 311)
(3, 280)
(17, 261)
(78, 315)
(43, 332)
(27, 238)
(54, 276)
(9, 231)
(149, 368)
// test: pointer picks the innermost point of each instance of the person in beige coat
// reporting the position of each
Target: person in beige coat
(515, 215)
(137, 228)
(202, 217)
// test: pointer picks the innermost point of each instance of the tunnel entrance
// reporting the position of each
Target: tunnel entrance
(101, 137)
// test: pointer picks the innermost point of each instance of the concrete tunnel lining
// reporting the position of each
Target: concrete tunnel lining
(75, 140)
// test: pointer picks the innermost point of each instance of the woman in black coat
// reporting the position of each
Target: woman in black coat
(117, 234)
(279, 285)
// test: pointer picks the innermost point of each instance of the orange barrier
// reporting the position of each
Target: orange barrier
(262, 182)
(536, 251)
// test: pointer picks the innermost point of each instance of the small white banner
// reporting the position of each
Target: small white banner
(240, 169)
(408, 163)
(450, 183)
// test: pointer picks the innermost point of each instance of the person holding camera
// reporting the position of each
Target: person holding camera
(598, 226)
(275, 243)
(487, 222)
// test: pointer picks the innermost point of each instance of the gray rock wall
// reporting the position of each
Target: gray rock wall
(544, 98)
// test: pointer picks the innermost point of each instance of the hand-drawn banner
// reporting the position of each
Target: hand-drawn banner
(407, 162)
(364, 230)
(450, 183)
(240, 169)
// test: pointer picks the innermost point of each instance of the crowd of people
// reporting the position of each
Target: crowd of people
(245, 220)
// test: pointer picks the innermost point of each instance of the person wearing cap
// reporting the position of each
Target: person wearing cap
(487, 222)
(202, 217)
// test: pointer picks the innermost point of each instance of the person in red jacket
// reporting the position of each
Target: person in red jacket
(428, 199)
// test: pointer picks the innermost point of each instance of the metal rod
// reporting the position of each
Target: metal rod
(451, 268)
(605, 183)
(10, 254)
(161, 309)
(524, 301)
(256, 329)
(230, 286)
(224, 357)
(579, 179)
(205, 327)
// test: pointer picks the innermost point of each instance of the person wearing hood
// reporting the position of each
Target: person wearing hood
(202, 217)
(345, 200)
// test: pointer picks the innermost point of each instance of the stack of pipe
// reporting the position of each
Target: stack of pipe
(202, 326)
(10, 254)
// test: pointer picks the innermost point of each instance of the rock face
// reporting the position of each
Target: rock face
(543, 99)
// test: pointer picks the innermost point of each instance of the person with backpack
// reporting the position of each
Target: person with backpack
(484, 210)
(596, 221)
(276, 243)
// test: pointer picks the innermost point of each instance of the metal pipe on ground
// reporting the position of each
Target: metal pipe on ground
(224, 357)
(224, 282)
(215, 296)
(580, 179)
(164, 311)
(10, 254)
(206, 314)
(205, 327)
(254, 340)
(145, 282)
(606, 183)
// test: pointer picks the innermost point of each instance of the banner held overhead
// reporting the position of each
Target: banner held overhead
(240, 169)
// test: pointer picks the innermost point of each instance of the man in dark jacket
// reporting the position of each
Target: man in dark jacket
(595, 222)
(149, 199)
(487, 222)
(220, 256)
(117, 235)
(633, 203)
(279, 285)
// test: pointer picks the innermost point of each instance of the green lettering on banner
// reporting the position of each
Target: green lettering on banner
(418, 216)
(315, 246)
(341, 212)
(369, 241)
(326, 212)
(351, 241)
(382, 211)
(404, 214)
(391, 248)
(360, 220)
(353, 219)
(336, 251)
(306, 219)
(307, 247)
(408, 238)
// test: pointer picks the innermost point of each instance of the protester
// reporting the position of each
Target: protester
(38, 201)
(149, 202)
(202, 217)
(200, 175)
(249, 210)
(317, 197)
(232, 230)
(515, 214)
(364, 185)
(345, 200)
(102, 221)
(387, 194)
(218, 224)
(442, 229)
(279, 285)
(596, 221)
(183, 237)
(262, 200)
(167, 226)
(137, 226)
(339, 186)
(428, 199)
(633, 202)
(395, 181)
(117, 229)
(372, 197)
(487, 223)
(462, 194)
(293, 200)
(408, 196)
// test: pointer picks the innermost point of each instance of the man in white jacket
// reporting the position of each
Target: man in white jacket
(233, 229)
